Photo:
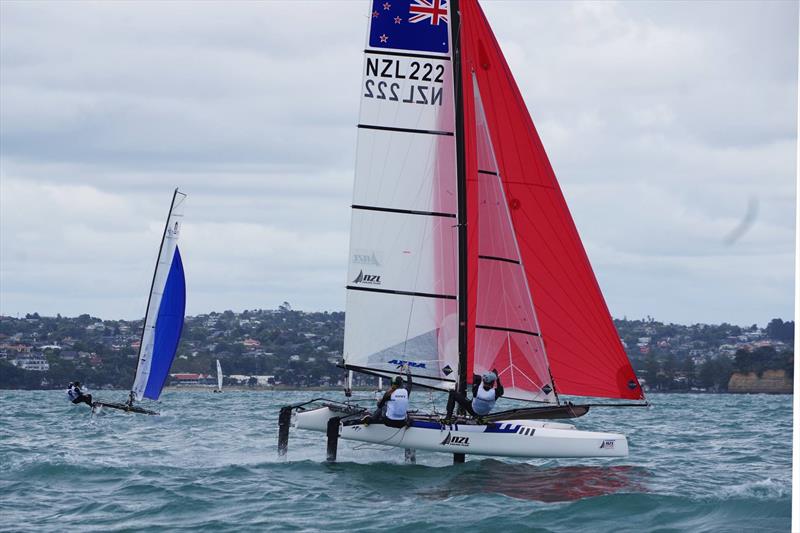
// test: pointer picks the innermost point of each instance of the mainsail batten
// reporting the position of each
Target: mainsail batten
(165, 311)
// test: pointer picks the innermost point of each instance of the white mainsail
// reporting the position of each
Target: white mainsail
(402, 281)
(219, 376)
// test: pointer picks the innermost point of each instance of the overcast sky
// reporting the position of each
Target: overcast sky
(671, 127)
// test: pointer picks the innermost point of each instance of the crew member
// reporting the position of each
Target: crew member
(486, 390)
(76, 395)
(393, 406)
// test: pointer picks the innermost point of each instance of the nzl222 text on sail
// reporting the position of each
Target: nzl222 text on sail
(422, 81)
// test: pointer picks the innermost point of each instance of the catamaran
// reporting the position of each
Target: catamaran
(463, 254)
(164, 317)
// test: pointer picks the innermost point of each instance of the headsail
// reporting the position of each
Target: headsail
(402, 277)
(165, 310)
(584, 351)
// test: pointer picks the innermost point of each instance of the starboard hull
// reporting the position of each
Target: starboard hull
(511, 438)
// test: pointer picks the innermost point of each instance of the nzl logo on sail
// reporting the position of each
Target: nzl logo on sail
(455, 441)
(367, 279)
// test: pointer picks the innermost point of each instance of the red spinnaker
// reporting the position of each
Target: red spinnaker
(584, 351)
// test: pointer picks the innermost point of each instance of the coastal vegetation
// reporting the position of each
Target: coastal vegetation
(301, 349)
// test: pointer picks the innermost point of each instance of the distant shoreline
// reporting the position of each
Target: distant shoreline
(286, 388)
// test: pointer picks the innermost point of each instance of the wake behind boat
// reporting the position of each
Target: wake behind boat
(164, 317)
(463, 254)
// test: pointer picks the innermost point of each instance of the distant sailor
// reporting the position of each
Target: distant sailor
(76, 395)
(393, 406)
(486, 390)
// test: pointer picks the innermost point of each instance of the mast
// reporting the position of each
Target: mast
(461, 180)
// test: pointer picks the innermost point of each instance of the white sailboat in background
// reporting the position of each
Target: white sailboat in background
(219, 377)
(163, 322)
(463, 254)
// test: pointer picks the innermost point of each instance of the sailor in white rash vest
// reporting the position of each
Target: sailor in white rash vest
(486, 390)
(393, 406)
(76, 395)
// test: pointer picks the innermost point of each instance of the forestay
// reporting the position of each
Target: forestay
(402, 278)
(165, 310)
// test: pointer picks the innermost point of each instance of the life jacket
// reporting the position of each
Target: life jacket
(397, 406)
(483, 402)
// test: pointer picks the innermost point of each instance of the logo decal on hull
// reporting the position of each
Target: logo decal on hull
(449, 440)
(608, 444)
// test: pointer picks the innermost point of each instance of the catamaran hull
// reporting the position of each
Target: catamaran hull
(511, 438)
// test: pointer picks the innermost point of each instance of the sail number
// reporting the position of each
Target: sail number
(424, 75)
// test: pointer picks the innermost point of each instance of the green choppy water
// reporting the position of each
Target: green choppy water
(209, 463)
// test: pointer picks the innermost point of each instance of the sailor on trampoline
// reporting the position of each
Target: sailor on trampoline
(76, 395)
(393, 406)
(486, 390)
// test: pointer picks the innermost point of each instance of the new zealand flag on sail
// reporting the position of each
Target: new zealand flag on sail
(419, 25)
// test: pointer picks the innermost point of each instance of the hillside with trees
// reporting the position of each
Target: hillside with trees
(299, 349)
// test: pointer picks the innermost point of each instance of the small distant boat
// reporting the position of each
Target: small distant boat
(219, 377)
(163, 322)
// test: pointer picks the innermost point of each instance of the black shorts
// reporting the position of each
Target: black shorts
(394, 423)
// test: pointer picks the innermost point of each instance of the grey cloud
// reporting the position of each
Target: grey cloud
(662, 121)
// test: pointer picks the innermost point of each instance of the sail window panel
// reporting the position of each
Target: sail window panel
(407, 92)
(406, 171)
(495, 231)
(519, 360)
(401, 252)
(503, 299)
(382, 330)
